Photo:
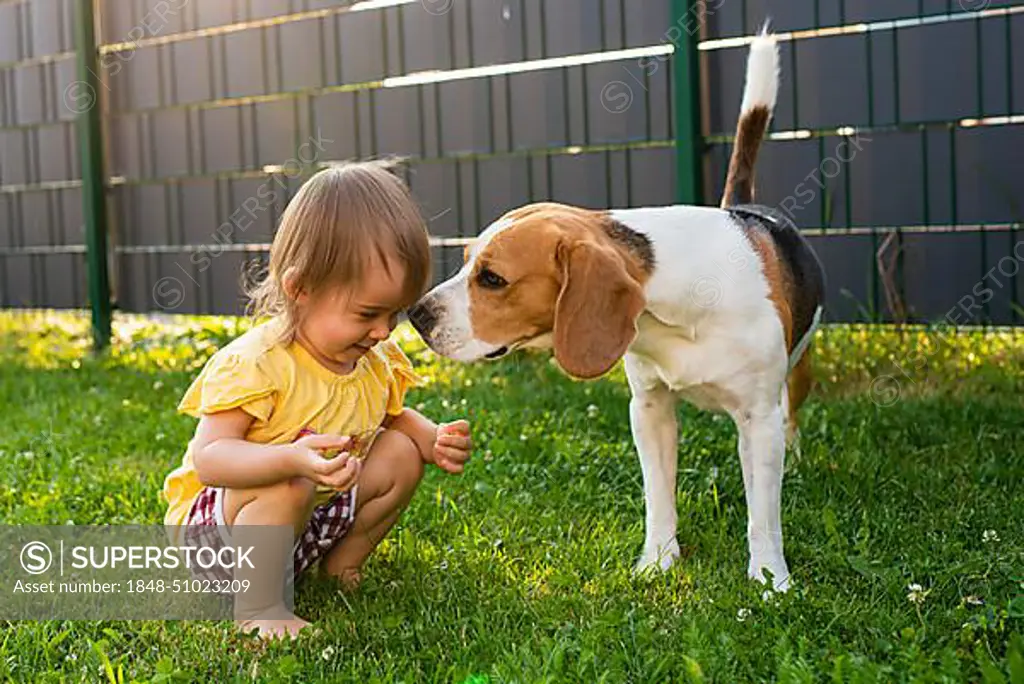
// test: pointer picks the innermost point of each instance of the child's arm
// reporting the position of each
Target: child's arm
(223, 458)
(447, 446)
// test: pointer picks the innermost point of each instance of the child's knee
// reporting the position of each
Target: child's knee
(405, 457)
(297, 492)
(398, 461)
(292, 498)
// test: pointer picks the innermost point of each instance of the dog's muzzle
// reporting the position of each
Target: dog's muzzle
(423, 319)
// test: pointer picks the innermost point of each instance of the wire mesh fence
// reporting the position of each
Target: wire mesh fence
(895, 143)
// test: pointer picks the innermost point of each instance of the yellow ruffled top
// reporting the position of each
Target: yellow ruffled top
(287, 391)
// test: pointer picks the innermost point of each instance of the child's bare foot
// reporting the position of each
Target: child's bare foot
(349, 578)
(276, 623)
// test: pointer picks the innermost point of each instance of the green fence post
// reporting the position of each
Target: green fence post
(83, 98)
(689, 135)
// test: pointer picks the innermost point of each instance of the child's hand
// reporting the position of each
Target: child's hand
(452, 446)
(339, 472)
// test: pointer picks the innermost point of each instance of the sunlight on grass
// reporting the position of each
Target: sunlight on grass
(847, 358)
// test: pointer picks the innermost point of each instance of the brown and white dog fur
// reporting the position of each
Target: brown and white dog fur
(711, 305)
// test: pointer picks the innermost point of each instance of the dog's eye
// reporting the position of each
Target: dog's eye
(490, 280)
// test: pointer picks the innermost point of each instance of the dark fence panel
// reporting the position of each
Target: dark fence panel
(42, 258)
(895, 141)
(894, 138)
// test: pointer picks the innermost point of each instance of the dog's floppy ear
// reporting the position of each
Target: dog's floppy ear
(595, 317)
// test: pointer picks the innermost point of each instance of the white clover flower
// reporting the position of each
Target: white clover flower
(742, 614)
(592, 411)
(916, 593)
(327, 653)
(973, 600)
(158, 385)
(989, 536)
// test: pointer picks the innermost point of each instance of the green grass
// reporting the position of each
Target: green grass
(519, 570)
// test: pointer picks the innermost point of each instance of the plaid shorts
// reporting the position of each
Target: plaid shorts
(328, 524)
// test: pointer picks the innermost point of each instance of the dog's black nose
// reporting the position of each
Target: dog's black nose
(422, 318)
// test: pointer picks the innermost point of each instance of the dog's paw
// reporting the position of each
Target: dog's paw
(778, 570)
(657, 558)
(793, 443)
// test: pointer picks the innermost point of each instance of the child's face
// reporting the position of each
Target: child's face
(342, 324)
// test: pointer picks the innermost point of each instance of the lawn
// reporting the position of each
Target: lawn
(909, 473)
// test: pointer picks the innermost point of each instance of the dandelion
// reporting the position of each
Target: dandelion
(327, 653)
(989, 536)
(742, 614)
(126, 402)
(916, 593)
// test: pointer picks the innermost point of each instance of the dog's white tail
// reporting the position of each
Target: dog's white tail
(759, 95)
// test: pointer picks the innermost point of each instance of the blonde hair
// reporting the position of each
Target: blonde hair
(329, 234)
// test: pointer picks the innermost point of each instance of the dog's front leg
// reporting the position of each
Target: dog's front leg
(652, 414)
(762, 447)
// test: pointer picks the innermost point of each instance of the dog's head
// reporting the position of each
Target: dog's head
(545, 276)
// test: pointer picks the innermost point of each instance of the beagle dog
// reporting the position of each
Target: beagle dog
(711, 305)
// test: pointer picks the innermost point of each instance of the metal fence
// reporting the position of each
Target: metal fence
(896, 143)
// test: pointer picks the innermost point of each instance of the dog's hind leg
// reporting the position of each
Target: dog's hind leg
(762, 449)
(798, 386)
(652, 414)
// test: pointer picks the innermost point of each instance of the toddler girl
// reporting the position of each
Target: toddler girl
(301, 421)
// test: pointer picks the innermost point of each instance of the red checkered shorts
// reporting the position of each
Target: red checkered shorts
(328, 524)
